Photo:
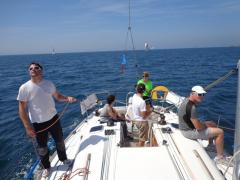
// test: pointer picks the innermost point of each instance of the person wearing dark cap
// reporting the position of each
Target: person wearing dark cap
(140, 113)
(148, 85)
(192, 128)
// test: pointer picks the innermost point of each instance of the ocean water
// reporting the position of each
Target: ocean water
(78, 74)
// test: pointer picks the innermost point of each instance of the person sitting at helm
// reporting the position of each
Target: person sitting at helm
(148, 88)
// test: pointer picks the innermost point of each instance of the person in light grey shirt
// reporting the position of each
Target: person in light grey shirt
(192, 128)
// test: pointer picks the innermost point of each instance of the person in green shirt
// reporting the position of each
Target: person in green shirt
(148, 85)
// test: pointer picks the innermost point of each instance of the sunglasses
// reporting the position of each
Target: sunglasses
(200, 94)
(34, 68)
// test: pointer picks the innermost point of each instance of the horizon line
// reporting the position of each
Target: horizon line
(96, 51)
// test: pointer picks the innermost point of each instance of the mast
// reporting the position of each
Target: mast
(236, 174)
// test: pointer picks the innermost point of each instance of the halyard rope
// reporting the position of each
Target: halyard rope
(129, 36)
(34, 142)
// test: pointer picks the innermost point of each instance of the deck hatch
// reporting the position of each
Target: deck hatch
(96, 128)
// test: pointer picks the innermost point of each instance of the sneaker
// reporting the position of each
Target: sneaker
(147, 142)
(224, 161)
(67, 162)
(45, 173)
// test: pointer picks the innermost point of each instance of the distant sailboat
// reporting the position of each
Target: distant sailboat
(146, 46)
(53, 51)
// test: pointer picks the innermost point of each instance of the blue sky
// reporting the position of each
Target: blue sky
(38, 26)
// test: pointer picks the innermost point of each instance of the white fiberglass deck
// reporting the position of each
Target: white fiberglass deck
(144, 163)
(175, 157)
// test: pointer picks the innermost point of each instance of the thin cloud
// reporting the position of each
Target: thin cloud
(183, 7)
(232, 6)
(61, 23)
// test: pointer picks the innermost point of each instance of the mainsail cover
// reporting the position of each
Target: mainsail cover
(173, 98)
(88, 103)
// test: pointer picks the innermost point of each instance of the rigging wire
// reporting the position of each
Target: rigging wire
(216, 82)
(129, 37)
(231, 160)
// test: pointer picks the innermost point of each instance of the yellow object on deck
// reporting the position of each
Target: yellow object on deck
(157, 89)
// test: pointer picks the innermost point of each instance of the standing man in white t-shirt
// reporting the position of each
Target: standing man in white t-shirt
(140, 113)
(36, 105)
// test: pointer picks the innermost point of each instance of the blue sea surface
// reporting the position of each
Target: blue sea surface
(78, 74)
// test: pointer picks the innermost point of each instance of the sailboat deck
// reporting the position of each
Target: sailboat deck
(98, 152)
(144, 163)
